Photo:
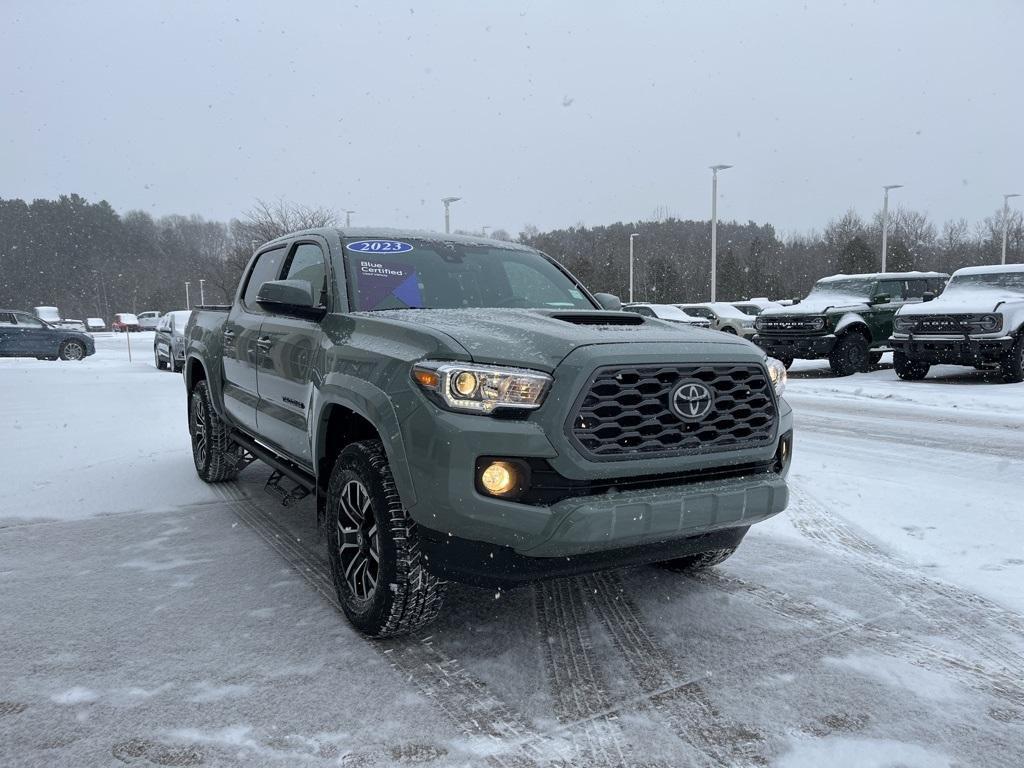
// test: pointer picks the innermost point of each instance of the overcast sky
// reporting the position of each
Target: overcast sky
(535, 113)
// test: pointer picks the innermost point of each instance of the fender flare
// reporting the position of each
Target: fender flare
(376, 407)
(852, 321)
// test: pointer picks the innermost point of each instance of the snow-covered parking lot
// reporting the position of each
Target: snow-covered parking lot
(149, 619)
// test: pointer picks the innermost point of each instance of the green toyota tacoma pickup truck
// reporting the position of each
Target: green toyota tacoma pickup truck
(464, 409)
(845, 319)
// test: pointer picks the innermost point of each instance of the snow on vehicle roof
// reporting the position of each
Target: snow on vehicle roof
(180, 316)
(389, 233)
(127, 317)
(881, 276)
(721, 308)
(665, 311)
(991, 269)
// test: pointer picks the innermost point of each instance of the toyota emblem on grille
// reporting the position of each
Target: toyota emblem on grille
(691, 400)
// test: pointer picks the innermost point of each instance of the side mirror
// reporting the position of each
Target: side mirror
(928, 296)
(881, 298)
(608, 301)
(290, 297)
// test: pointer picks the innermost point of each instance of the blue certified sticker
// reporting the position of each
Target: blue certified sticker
(379, 246)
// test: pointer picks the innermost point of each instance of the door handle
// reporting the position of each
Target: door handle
(264, 343)
(228, 333)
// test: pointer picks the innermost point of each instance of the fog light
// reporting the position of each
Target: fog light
(784, 454)
(500, 478)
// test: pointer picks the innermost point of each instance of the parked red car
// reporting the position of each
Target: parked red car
(125, 322)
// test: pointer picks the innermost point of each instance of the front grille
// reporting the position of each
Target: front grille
(625, 411)
(771, 325)
(940, 324)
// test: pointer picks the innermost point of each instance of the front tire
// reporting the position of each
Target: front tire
(378, 568)
(158, 361)
(875, 358)
(729, 329)
(849, 355)
(72, 350)
(907, 369)
(1012, 366)
(215, 454)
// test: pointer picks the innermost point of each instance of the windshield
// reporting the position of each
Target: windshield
(1008, 282)
(748, 309)
(437, 275)
(860, 287)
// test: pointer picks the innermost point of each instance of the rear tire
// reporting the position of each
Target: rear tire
(215, 454)
(786, 361)
(1012, 365)
(907, 369)
(875, 358)
(699, 561)
(373, 545)
(158, 361)
(728, 329)
(849, 355)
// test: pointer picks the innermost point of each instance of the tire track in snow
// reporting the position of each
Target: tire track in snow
(687, 708)
(466, 702)
(955, 612)
(575, 680)
(995, 683)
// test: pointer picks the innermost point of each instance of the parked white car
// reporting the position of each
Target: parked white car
(148, 320)
(49, 315)
(977, 320)
(95, 324)
(755, 307)
(669, 312)
(723, 317)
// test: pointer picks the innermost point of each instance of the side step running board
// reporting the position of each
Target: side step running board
(303, 482)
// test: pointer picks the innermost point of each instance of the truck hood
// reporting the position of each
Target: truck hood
(816, 305)
(965, 301)
(541, 338)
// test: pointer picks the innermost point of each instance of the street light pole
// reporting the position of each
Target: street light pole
(447, 216)
(202, 293)
(348, 218)
(187, 305)
(1006, 221)
(714, 228)
(885, 221)
(484, 229)
(631, 238)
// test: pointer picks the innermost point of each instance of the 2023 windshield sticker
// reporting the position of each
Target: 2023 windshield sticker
(379, 246)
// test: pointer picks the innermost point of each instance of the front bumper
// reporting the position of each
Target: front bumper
(952, 350)
(690, 496)
(793, 347)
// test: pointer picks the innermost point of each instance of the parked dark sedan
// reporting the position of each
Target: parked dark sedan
(25, 335)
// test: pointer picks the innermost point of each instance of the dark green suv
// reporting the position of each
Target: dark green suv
(846, 319)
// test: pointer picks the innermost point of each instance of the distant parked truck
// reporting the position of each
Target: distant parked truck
(49, 314)
(148, 320)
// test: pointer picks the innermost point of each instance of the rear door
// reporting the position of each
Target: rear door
(290, 357)
(8, 328)
(240, 339)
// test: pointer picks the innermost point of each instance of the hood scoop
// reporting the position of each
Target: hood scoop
(598, 318)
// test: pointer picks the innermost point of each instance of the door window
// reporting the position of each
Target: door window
(6, 318)
(266, 268)
(916, 289)
(27, 321)
(892, 288)
(307, 263)
(645, 311)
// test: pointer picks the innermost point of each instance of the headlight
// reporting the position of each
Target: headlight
(817, 323)
(481, 389)
(990, 323)
(905, 323)
(777, 373)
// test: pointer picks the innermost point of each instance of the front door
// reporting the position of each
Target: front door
(882, 314)
(32, 337)
(241, 340)
(290, 357)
